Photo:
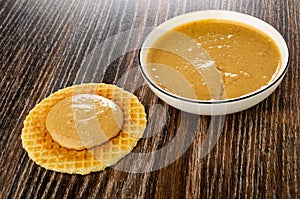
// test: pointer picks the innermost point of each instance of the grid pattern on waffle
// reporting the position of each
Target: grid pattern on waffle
(47, 153)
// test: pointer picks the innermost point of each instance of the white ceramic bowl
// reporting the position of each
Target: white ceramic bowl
(216, 107)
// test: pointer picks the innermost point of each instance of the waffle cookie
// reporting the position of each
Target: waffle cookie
(44, 151)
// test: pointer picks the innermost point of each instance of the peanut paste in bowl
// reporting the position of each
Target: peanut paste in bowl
(248, 59)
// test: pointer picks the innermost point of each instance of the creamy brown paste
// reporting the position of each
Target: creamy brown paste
(247, 57)
(84, 121)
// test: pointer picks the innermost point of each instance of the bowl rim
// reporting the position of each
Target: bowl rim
(276, 80)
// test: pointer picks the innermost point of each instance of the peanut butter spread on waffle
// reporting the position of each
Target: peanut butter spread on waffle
(57, 141)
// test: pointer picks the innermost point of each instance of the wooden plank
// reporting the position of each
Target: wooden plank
(46, 45)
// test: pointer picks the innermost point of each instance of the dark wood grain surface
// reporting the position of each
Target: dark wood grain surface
(47, 45)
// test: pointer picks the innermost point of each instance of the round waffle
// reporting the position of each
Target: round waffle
(47, 153)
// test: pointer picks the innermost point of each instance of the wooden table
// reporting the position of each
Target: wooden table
(48, 45)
